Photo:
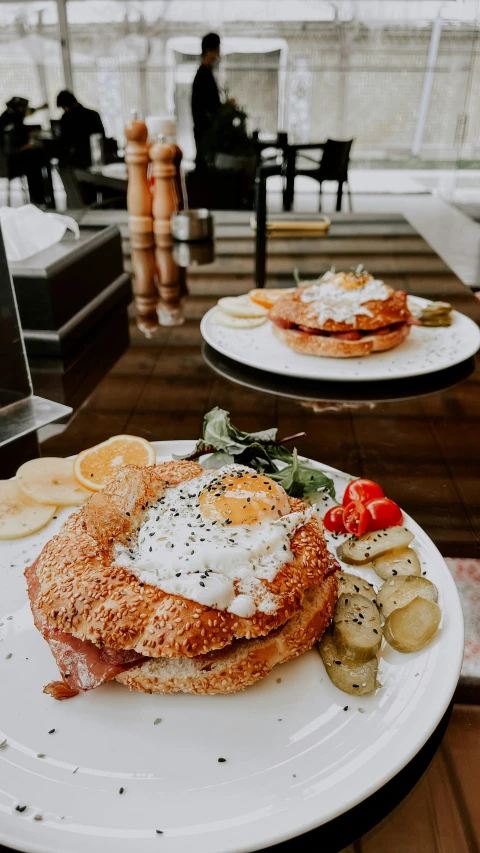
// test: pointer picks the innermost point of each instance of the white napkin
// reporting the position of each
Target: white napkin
(27, 230)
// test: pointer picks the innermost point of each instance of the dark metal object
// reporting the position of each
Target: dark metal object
(64, 290)
(53, 285)
(28, 415)
(192, 225)
(193, 254)
(61, 341)
(21, 413)
(264, 171)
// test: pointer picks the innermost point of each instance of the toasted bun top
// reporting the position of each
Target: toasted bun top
(291, 309)
(84, 593)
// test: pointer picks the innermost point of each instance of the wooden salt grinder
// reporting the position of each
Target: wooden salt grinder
(140, 219)
(165, 202)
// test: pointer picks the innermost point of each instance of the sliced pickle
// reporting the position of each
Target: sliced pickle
(364, 549)
(410, 628)
(357, 627)
(352, 676)
(400, 561)
(400, 591)
(348, 583)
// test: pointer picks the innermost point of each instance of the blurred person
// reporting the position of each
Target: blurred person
(77, 125)
(205, 96)
(22, 156)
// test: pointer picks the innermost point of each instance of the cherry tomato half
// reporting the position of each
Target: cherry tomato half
(355, 518)
(382, 512)
(333, 520)
(362, 490)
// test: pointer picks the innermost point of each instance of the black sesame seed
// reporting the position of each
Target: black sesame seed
(394, 572)
(159, 831)
(375, 631)
(202, 583)
(121, 790)
(20, 808)
(346, 708)
(354, 685)
(51, 731)
(221, 760)
(127, 513)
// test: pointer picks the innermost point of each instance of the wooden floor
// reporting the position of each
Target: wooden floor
(423, 450)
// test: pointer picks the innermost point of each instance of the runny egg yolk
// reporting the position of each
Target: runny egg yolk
(243, 499)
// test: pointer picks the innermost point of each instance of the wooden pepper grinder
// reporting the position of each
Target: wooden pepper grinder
(165, 202)
(166, 127)
(140, 221)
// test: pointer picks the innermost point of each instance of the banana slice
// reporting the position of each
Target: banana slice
(50, 480)
(223, 319)
(241, 306)
(19, 514)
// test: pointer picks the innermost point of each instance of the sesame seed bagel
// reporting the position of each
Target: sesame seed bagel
(245, 661)
(81, 590)
(331, 347)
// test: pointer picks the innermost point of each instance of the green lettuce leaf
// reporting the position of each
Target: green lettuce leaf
(217, 460)
(300, 478)
(258, 450)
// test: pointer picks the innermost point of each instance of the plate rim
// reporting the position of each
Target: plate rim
(205, 332)
(415, 744)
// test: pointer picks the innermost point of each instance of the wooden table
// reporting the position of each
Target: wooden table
(424, 451)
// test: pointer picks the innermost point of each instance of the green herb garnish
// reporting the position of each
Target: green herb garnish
(226, 445)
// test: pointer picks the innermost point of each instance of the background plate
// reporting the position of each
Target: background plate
(424, 351)
(295, 757)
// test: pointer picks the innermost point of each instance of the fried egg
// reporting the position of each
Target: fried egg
(342, 296)
(216, 539)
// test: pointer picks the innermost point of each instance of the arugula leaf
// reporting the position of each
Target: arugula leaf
(258, 450)
(219, 431)
(217, 460)
(219, 434)
(300, 478)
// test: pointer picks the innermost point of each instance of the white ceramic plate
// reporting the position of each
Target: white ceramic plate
(295, 758)
(426, 350)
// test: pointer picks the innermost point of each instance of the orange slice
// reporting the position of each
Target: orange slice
(268, 296)
(94, 466)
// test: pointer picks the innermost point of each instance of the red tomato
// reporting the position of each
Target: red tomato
(382, 512)
(355, 518)
(362, 490)
(333, 520)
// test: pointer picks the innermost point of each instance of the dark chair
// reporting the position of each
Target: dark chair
(332, 167)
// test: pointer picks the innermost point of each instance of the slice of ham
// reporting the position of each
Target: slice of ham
(351, 335)
(82, 665)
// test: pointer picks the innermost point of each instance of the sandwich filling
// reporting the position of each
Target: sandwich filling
(340, 297)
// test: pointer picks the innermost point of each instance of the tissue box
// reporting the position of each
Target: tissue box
(65, 290)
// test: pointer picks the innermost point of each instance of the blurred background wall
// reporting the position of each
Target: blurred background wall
(401, 76)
